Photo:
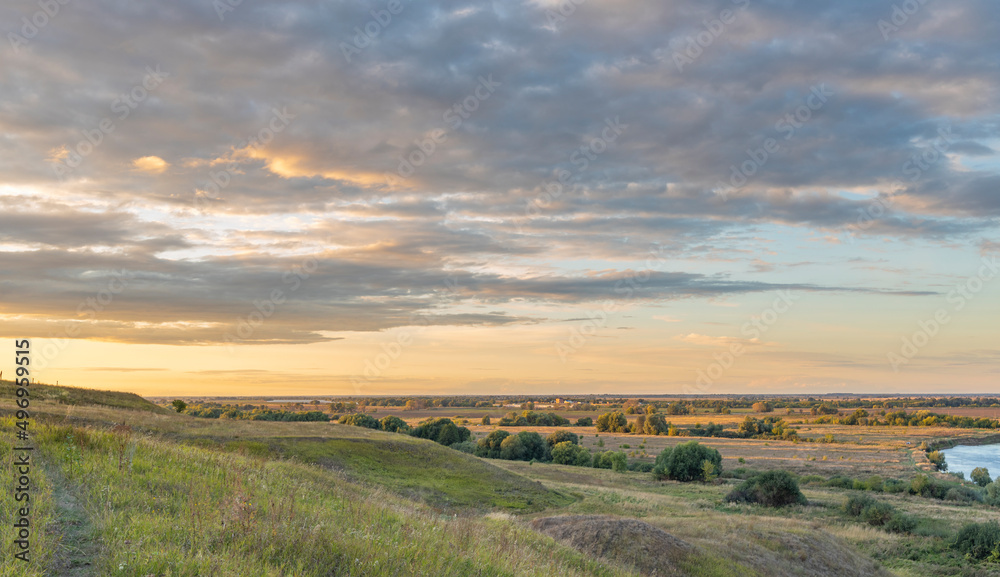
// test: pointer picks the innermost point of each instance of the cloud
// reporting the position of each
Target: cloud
(150, 164)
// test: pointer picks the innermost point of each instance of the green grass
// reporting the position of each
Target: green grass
(183, 511)
(78, 396)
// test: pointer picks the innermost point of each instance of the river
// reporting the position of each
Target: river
(965, 458)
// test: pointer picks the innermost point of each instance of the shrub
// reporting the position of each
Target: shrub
(614, 460)
(993, 493)
(874, 483)
(360, 420)
(878, 514)
(686, 462)
(562, 437)
(979, 541)
(394, 424)
(465, 447)
(486, 420)
(640, 466)
(585, 422)
(937, 459)
(179, 405)
(980, 476)
(771, 489)
(900, 523)
(964, 495)
(856, 504)
(567, 453)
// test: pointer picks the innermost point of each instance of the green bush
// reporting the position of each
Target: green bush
(979, 541)
(878, 514)
(771, 489)
(512, 449)
(465, 447)
(993, 493)
(360, 420)
(900, 523)
(535, 448)
(585, 422)
(937, 458)
(963, 495)
(567, 453)
(394, 424)
(443, 431)
(686, 462)
(614, 460)
(856, 504)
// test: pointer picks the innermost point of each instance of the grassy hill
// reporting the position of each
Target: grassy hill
(83, 397)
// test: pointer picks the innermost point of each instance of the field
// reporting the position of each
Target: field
(123, 487)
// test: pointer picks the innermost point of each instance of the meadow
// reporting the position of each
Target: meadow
(127, 487)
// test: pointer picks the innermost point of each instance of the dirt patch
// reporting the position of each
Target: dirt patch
(649, 549)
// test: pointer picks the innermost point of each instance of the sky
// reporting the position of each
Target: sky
(226, 197)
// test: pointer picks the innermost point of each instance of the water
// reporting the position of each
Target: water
(965, 458)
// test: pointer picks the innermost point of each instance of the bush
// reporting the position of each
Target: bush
(981, 476)
(614, 460)
(394, 424)
(465, 447)
(900, 523)
(771, 489)
(360, 420)
(993, 493)
(640, 466)
(686, 462)
(486, 420)
(562, 437)
(979, 541)
(963, 495)
(878, 514)
(585, 422)
(856, 504)
(567, 453)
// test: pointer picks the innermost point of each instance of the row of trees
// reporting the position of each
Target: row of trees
(924, 418)
(656, 424)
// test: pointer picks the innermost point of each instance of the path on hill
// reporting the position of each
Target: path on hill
(78, 549)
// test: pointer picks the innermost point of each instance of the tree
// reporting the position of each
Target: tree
(763, 407)
(567, 453)
(360, 420)
(486, 419)
(489, 446)
(937, 459)
(981, 476)
(394, 424)
(655, 424)
(585, 422)
(512, 449)
(614, 460)
(614, 422)
(686, 462)
(535, 447)
(562, 437)
(179, 405)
